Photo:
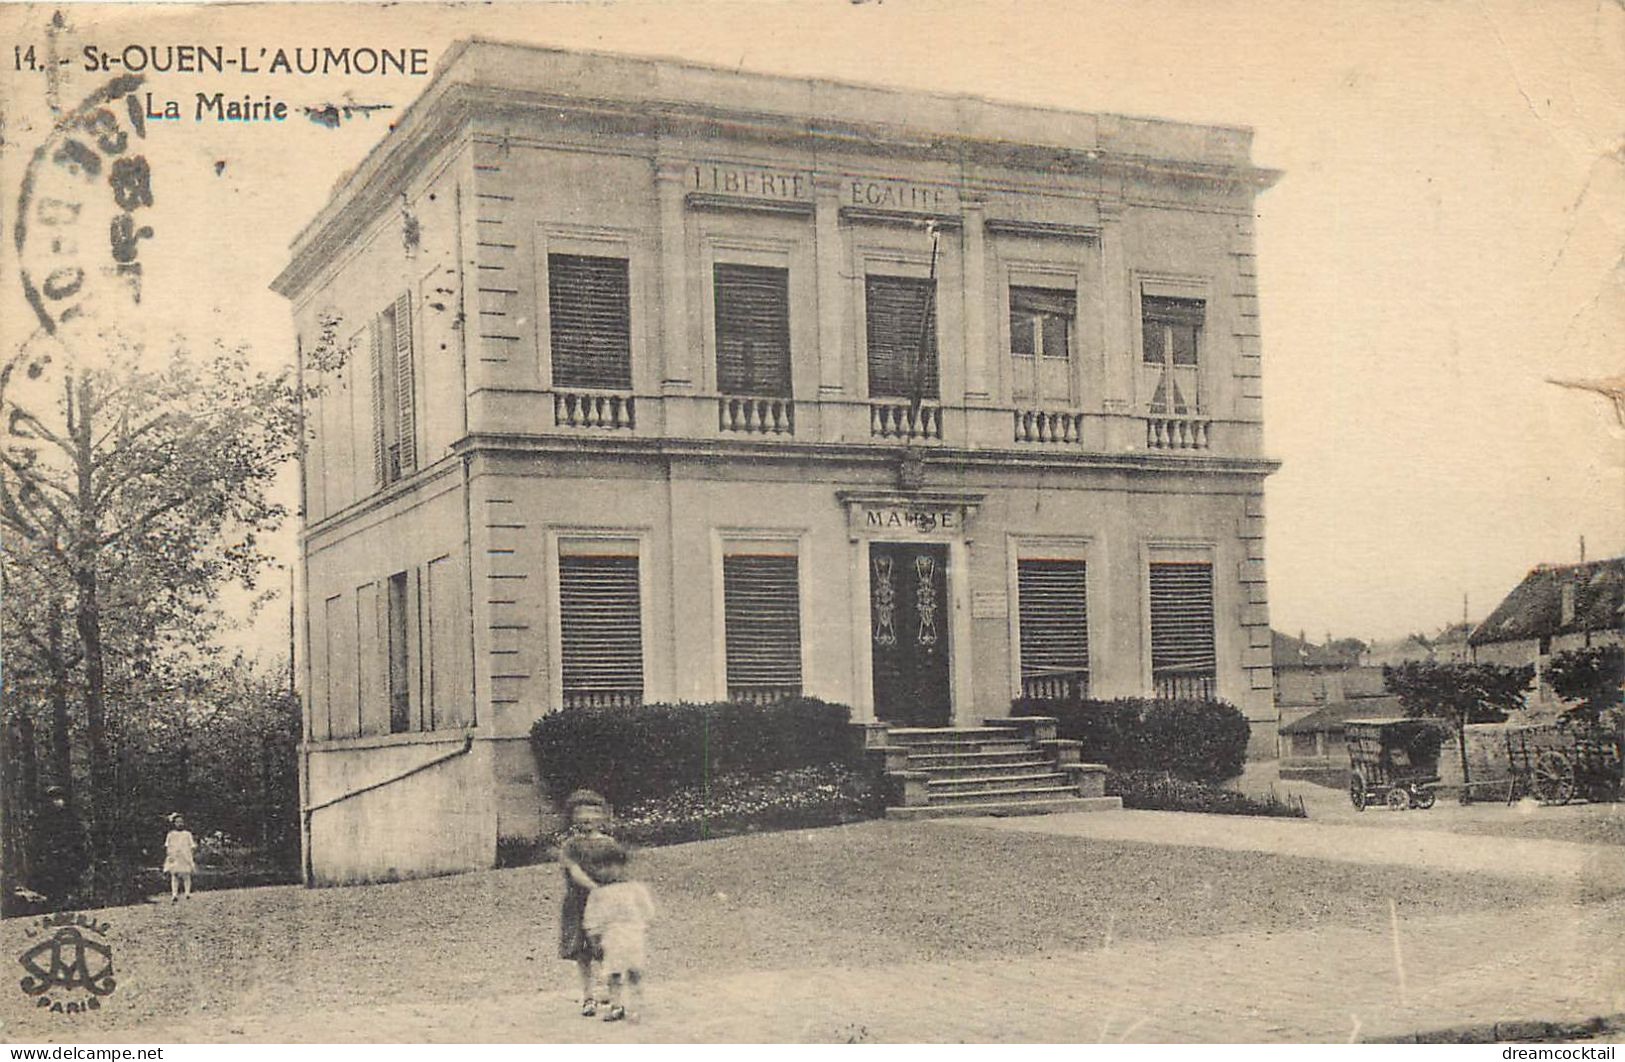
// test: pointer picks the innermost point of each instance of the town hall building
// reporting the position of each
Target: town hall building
(643, 381)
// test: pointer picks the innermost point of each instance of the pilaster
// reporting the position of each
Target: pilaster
(677, 362)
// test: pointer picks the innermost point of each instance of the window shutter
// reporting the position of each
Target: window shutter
(1173, 311)
(753, 330)
(898, 311)
(1053, 611)
(762, 626)
(380, 468)
(406, 424)
(601, 630)
(1182, 619)
(589, 308)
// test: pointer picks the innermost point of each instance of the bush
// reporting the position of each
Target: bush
(1161, 791)
(653, 750)
(1203, 741)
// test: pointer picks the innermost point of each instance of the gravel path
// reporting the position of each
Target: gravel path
(865, 897)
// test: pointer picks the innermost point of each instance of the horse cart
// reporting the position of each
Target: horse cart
(1393, 762)
(1556, 762)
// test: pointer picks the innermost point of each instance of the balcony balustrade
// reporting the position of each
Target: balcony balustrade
(1177, 432)
(756, 416)
(1041, 426)
(900, 419)
(594, 409)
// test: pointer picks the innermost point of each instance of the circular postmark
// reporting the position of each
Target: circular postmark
(80, 211)
(67, 963)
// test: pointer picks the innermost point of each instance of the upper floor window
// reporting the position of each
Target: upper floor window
(1172, 333)
(1043, 323)
(589, 309)
(394, 423)
(1183, 659)
(901, 325)
(753, 330)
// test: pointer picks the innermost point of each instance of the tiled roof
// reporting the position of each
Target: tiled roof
(1534, 609)
(1332, 717)
(1287, 651)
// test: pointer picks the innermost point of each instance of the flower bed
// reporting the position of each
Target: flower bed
(1161, 791)
(790, 799)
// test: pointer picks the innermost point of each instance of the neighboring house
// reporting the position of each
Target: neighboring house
(1316, 739)
(1317, 687)
(669, 383)
(1557, 607)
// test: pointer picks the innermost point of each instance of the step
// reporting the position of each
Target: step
(999, 782)
(947, 748)
(1034, 792)
(1008, 807)
(925, 761)
(985, 770)
(914, 735)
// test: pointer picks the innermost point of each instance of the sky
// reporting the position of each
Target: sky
(1447, 234)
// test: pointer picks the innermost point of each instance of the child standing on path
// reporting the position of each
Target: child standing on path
(618, 912)
(180, 855)
(583, 853)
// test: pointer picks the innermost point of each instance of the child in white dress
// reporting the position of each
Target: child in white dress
(618, 912)
(180, 857)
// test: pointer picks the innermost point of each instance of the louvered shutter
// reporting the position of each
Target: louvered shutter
(762, 626)
(753, 330)
(380, 465)
(1182, 619)
(1173, 311)
(902, 336)
(601, 630)
(406, 422)
(1053, 612)
(589, 309)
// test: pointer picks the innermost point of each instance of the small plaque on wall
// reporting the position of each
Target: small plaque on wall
(989, 604)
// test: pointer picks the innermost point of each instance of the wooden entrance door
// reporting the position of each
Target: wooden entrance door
(908, 632)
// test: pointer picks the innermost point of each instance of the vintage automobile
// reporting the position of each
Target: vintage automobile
(1393, 761)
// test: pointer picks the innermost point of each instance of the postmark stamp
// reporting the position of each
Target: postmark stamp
(80, 212)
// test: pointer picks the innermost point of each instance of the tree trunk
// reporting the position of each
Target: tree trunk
(1466, 775)
(88, 621)
(61, 738)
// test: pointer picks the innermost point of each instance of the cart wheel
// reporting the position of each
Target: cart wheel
(1357, 793)
(1553, 781)
(1398, 799)
(1424, 798)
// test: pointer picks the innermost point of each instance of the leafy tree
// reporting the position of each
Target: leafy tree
(1458, 693)
(1595, 677)
(132, 490)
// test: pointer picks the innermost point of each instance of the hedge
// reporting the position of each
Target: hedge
(649, 751)
(1204, 741)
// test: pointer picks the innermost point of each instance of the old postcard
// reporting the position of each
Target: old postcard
(897, 521)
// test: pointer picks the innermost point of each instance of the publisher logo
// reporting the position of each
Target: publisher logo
(69, 963)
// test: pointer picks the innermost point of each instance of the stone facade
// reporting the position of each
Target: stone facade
(457, 492)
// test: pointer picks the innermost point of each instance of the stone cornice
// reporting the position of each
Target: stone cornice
(463, 89)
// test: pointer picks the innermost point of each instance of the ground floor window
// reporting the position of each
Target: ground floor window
(399, 664)
(761, 604)
(601, 629)
(1182, 653)
(1054, 624)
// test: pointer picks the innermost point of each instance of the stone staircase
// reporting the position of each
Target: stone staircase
(1011, 766)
